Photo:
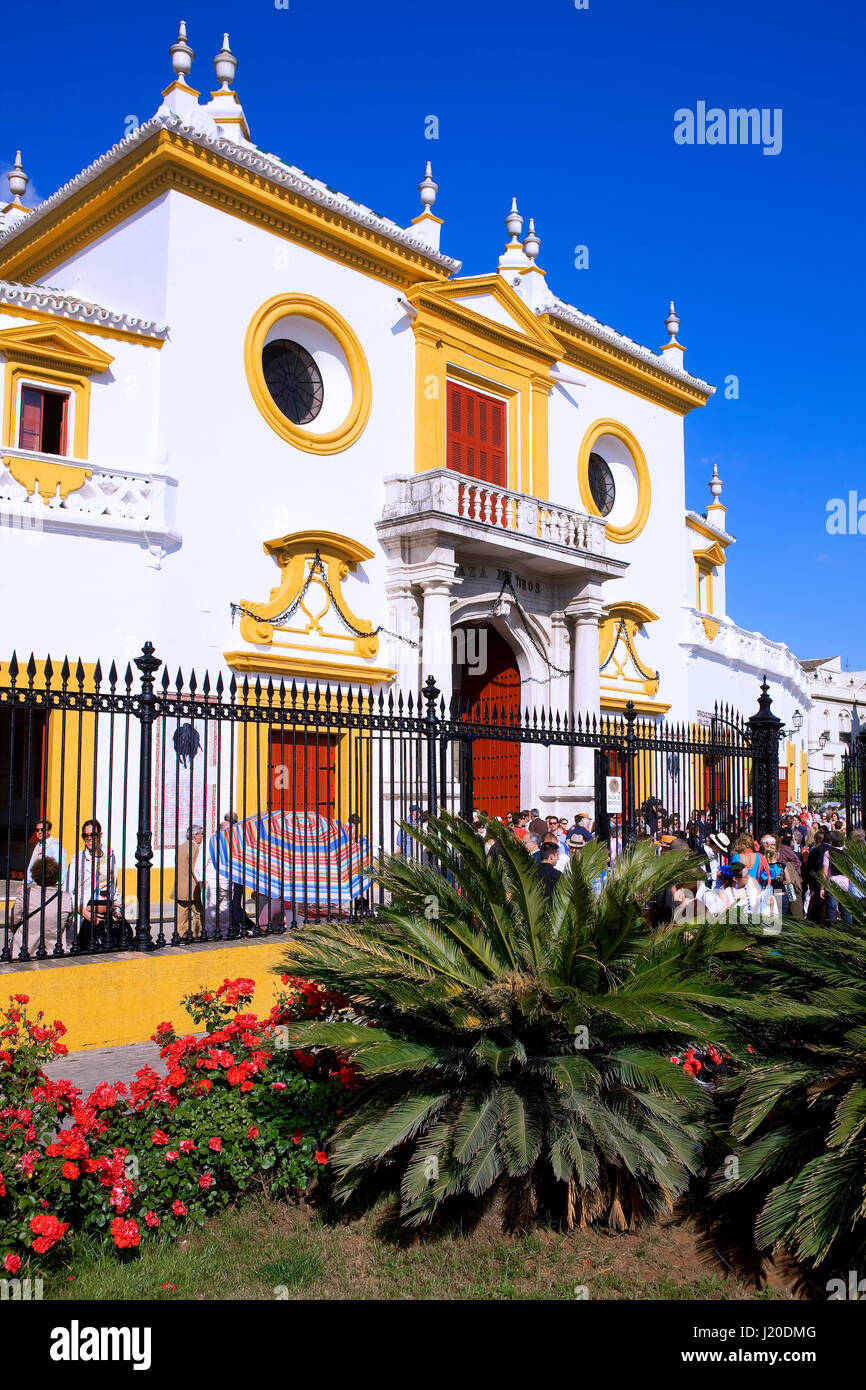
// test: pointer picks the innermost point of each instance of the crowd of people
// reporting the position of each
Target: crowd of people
(789, 873)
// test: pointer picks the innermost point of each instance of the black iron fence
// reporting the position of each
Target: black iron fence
(854, 770)
(138, 812)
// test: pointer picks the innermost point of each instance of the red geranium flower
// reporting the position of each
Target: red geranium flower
(187, 1145)
(297, 1136)
(178, 1208)
(170, 1155)
(151, 1218)
(71, 1170)
(12, 1264)
(176, 1077)
(206, 1180)
(321, 1156)
(48, 1231)
(124, 1233)
(160, 1137)
(215, 1143)
(252, 1132)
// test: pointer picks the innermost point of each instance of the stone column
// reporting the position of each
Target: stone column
(560, 704)
(585, 612)
(435, 582)
(403, 619)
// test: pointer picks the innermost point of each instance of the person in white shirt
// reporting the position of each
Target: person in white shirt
(47, 846)
(746, 893)
(92, 881)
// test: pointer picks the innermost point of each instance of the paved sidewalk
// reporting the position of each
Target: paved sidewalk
(87, 1069)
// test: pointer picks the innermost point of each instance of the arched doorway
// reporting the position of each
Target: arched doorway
(489, 690)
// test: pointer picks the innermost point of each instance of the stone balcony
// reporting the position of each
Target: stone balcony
(46, 493)
(493, 522)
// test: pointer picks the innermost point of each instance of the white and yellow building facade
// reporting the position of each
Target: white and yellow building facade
(251, 420)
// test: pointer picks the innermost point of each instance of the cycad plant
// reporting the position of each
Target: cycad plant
(513, 1046)
(794, 1181)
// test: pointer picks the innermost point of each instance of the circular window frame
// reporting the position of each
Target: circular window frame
(629, 532)
(286, 306)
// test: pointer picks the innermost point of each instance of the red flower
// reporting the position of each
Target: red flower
(297, 1136)
(104, 1097)
(178, 1208)
(176, 1077)
(151, 1218)
(692, 1066)
(124, 1233)
(206, 1180)
(252, 1132)
(21, 998)
(170, 1287)
(278, 1086)
(71, 1170)
(12, 1264)
(203, 1085)
(215, 1143)
(160, 1137)
(48, 1231)
(284, 979)
(187, 1146)
(676, 1061)
(53, 1150)
(750, 1048)
(321, 1156)
(170, 1155)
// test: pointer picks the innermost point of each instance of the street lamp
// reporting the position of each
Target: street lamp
(823, 740)
(796, 721)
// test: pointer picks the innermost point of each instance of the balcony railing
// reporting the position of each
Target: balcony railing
(44, 492)
(470, 504)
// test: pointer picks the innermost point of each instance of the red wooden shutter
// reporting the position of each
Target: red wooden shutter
(476, 435)
(30, 428)
(64, 417)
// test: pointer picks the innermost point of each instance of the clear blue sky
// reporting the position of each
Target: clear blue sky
(573, 111)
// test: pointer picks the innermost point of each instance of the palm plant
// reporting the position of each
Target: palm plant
(798, 1118)
(511, 1044)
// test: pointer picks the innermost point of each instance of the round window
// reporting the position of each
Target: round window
(293, 379)
(601, 484)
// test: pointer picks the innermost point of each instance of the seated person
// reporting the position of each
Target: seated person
(42, 903)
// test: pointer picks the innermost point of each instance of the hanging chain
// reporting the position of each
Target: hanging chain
(558, 670)
(319, 573)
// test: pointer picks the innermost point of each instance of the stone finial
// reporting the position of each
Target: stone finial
(181, 54)
(18, 181)
(532, 242)
(716, 485)
(225, 64)
(428, 188)
(514, 222)
(672, 323)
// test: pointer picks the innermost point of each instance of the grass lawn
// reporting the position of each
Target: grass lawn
(270, 1250)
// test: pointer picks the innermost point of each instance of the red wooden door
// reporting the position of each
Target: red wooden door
(494, 696)
(476, 435)
(303, 774)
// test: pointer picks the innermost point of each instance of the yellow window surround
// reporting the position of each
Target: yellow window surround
(620, 667)
(454, 341)
(309, 608)
(54, 356)
(620, 534)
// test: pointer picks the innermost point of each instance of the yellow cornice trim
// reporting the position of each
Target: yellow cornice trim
(285, 306)
(180, 87)
(300, 669)
(350, 551)
(99, 330)
(619, 534)
(617, 702)
(426, 217)
(58, 345)
(170, 161)
(446, 300)
(711, 628)
(50, 474)
(703, 528)
(710, 558)
(614, 364)
(626, 608)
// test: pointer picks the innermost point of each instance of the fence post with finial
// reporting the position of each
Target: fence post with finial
(765, 730)
(431, 695)
(148, 665)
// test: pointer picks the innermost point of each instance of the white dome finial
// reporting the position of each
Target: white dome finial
(225, 64)
(514, 221)
(716, 484)
(17, 180)
(532, 242)
(672, 323)
(428, 189)
(181, 54)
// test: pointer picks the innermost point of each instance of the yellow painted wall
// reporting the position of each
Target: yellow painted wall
(105, 1003)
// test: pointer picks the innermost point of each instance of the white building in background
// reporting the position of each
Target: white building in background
(224, 381)
(838, 708)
